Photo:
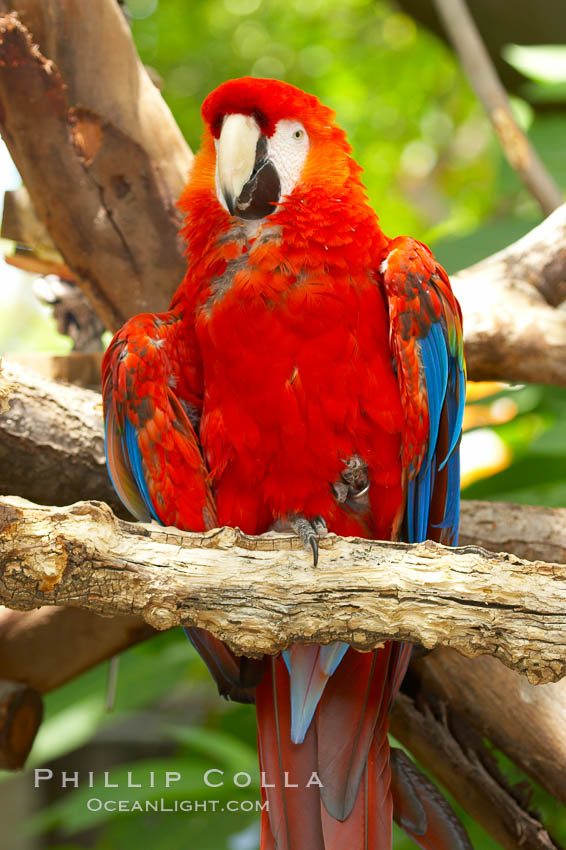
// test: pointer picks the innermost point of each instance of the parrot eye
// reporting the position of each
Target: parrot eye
(298, 134)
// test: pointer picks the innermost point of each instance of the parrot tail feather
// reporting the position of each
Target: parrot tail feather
(291, 819)
(332, 789)
(309, 668)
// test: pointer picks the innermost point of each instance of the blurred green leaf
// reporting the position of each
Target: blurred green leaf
(228, 750)
(74, 712)
(201, 831)
(545, 62)
(536, 436)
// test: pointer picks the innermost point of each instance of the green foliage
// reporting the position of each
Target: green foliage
(545, 64)
(535, 436)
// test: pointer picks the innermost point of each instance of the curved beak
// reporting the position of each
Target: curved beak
(235, 156)
(246, 179)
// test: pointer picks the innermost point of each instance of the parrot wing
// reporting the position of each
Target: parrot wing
(426, 341)
(152, 449)
(155, 460)
(427, 345)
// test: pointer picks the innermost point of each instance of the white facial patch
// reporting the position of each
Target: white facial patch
(288, 148)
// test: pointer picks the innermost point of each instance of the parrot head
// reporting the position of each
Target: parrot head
(263, 138)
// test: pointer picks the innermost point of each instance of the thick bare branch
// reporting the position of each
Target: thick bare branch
(92, 47)
(34, 645)
(261, 594)
(51, 440)
(103, 197)
(513, 330)
(528, 531)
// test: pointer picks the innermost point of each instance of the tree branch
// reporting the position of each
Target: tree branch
(526, 722)
(529, 531)
(483, 77)
(258, 597)
(100, 168)
(512, 329)
(92, 47)
(34, 645)
(51, 440)
(105, 194)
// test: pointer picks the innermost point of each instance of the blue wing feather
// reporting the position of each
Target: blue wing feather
(131, 447)
(120, 469)
(435, 361)
(429, 351)
(445, 386)
(434, 358)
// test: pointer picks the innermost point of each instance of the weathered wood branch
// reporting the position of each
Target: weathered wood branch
(105, 193)
(529, 531)
(51, 440)
(92, 47)
(261, 594)
(513, 327)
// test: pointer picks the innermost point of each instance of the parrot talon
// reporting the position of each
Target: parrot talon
(309, 531)
(314, 546)
(319, 525)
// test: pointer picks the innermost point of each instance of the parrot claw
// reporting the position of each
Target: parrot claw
(314, 546)
(309, 531)
(319, 525)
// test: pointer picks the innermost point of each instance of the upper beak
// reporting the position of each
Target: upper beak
(247, 182)
(235, 156)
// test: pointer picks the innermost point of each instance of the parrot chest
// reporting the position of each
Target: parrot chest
(297, 380)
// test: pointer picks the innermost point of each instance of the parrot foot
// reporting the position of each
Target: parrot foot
(309, 531)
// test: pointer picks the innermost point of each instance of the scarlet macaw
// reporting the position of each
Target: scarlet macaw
(308, 374)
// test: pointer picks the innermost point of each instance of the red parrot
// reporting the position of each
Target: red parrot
(308, 375)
